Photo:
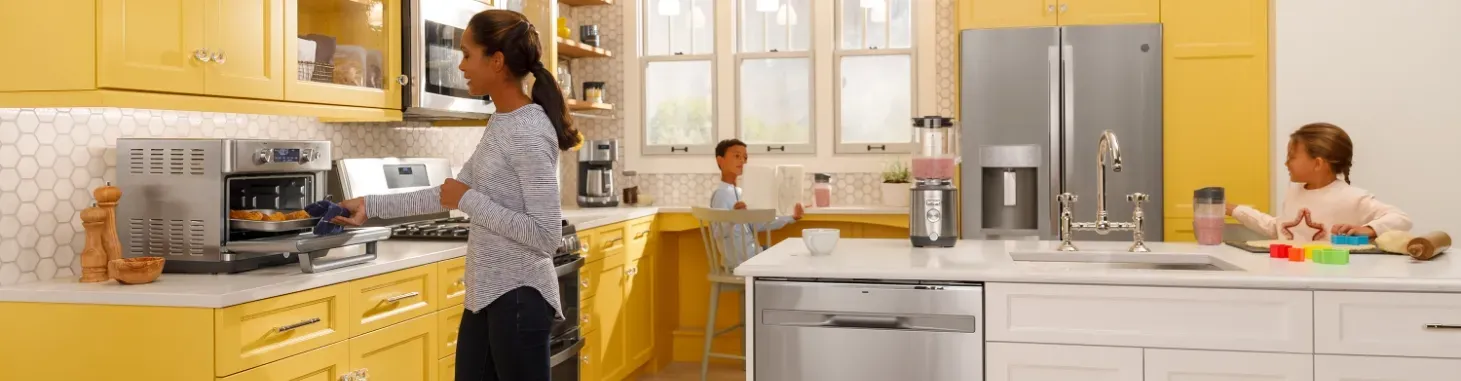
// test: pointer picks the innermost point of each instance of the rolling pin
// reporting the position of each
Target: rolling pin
(1428, 245)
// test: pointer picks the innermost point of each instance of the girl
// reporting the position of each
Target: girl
(1318, 204)
(509, 189)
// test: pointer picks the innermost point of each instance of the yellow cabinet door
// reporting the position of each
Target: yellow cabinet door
(449, 323)
(382, 300)
(589, 358)
(451, 282)
(1215, 102)
(402, 352)
(259, 332)
(245, 39)
(639, 311)
(1006, 13)
(151, 45)
(448, 368)
(366, 41)
(1099, 12)
(609, 309)
(324, 364)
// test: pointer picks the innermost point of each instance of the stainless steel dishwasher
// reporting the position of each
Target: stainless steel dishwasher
(808, 330)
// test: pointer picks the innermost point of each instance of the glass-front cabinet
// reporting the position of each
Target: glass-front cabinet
(344, 52)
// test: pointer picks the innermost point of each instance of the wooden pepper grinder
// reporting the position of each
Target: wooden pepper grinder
(94, 257)
(107, 197)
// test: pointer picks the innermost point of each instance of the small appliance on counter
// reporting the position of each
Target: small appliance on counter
(432, 88)
(934, 201)
(596, 174)
(184, 194)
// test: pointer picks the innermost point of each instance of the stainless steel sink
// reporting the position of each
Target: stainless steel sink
(1120, 260)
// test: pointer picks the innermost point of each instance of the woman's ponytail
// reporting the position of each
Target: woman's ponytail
(547, 94)
(510, 33)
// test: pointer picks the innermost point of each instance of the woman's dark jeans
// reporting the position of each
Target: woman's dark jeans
(508, 340)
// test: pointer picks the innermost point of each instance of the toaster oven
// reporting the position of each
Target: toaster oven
(225, 205)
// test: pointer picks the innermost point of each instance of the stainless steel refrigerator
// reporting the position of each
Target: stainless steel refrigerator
(1034, 103)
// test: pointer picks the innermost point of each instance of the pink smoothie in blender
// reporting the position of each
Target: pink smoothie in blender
(1208, 210)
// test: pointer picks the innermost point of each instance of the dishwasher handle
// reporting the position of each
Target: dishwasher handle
(827, 319)
(865, 321)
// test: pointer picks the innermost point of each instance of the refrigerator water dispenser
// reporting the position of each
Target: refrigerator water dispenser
(1010, 198)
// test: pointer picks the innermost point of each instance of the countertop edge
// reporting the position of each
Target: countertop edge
(1247, 282)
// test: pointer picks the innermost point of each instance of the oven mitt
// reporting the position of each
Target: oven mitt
(326, 211)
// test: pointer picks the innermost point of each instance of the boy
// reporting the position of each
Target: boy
(730, 156)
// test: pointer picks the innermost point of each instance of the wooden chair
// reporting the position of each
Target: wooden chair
(724, 233)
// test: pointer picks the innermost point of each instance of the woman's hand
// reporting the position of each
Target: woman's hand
(1343, 229)
(356, 206)
(452, 192)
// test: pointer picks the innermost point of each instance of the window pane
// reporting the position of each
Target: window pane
(877, 25)
(752, 35)
(776, 101)
(876, 99)
(800, 12)
(852, 20)
(678, 103)
(901, 30)
(783, 25)
(679, 26)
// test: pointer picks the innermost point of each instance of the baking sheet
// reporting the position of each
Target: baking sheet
(273, 226)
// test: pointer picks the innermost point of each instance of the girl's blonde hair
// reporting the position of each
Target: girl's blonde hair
(1328, 142)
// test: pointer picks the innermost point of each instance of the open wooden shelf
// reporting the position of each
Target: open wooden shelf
(578, 105)
(575, 49)
(580, 3)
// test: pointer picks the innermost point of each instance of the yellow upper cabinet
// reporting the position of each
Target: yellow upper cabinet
(1215, 101)
(246, 48)
(1099, 12)
(42, 64)
(1037, 13)
(1006, 13)
(335, 52)
(152, 45)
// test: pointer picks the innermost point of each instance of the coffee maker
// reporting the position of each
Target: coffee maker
(934, 202)
(596, 174)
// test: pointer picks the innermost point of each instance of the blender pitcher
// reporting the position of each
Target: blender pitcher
(1208, 210)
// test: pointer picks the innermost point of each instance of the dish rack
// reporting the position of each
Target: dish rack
(316, 72)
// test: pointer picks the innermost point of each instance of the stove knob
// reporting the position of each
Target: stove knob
(262, 157)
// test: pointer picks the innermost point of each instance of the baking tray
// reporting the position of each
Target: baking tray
(273, 226)
(1254, 249)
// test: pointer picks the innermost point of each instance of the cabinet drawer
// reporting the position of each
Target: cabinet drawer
(1387, 323)
(451, 282)
(1358, 368)
(588, 279)
(638, 235)
(608, 241)
(1162, 317)
(328, 363)
(587, 321)
(1020, 362)
(391, 298)
(449, 323)
(253, 334)
(448, 368)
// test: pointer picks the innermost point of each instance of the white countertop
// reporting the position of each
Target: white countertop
(989, 261)
(589, 218)
(218, 291)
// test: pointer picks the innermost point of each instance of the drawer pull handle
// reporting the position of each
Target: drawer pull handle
(401, 297)
(1442, 326)
(612, 242)
(291, 327)
(460, 281)
(584, 283)
(641, 234)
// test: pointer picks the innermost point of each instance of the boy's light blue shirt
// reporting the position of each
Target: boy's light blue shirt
(725, 197)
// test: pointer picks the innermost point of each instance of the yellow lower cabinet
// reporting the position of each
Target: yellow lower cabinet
(638, 312)
(330, 363)
(402, 352)
(590, 356)
(609, 309)
(390, 298)
(256, 333)
(451, 282)
(448, 368)
(449, 323)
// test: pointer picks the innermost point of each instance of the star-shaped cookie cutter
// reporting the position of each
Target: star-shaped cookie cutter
(1308, 220)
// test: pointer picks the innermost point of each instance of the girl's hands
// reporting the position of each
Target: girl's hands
(1230, 209)
(1343, 229)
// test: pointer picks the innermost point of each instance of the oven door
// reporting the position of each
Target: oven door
(567, 268)
(437, 89)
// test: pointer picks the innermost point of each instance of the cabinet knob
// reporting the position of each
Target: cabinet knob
(403, 79)
(1063, 7)
(201, 55)
(218, 57)
(347, 377)
(363, 374)
(1050, 8)
(583, 283)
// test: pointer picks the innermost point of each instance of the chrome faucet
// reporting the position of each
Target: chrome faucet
(1102, 226)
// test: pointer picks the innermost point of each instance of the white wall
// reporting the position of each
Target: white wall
(1388, 72)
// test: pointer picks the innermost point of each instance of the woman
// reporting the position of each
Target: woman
(510, 190)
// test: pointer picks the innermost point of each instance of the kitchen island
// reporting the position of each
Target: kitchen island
(1242, 316)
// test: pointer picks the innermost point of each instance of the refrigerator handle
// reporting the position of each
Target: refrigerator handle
(1056, 185)
(1067, 57)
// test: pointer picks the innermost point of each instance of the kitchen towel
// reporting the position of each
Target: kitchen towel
(326, 211)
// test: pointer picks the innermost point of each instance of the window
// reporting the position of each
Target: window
(679, 76)
(774, 92)
(875, 77)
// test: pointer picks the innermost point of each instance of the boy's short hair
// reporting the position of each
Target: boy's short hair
(725, 145)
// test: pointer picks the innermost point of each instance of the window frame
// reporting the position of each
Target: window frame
(839, 53)
(645, 60)
(809, 54)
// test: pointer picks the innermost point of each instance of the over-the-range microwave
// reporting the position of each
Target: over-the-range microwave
(435, 88)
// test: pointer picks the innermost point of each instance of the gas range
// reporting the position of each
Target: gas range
(457, 228)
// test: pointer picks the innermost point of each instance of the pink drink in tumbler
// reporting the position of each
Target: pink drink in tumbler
(933, 167)
(1208, 209)
(1209, 229)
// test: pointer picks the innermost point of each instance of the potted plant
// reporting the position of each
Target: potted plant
(896, 179)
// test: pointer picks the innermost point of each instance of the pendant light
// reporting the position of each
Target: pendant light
(786, 15)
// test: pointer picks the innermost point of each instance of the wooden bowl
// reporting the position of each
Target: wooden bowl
(137, 270)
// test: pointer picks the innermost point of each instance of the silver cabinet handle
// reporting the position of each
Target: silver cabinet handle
(1050, 8)
(1442, 326)
(201, 55)
(291, 327)
(403, 79)
(401, 297)
(1063, 7)
(583, 283)
(218, 57)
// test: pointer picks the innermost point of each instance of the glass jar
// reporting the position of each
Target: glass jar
(937, 149)
(593, 92)
(822, 190)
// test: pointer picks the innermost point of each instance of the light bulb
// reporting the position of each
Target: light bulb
(767, 5)
(669, 7)
(786, 15)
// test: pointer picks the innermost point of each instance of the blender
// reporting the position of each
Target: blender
(933, 204)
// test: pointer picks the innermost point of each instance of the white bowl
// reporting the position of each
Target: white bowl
(821, 241)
